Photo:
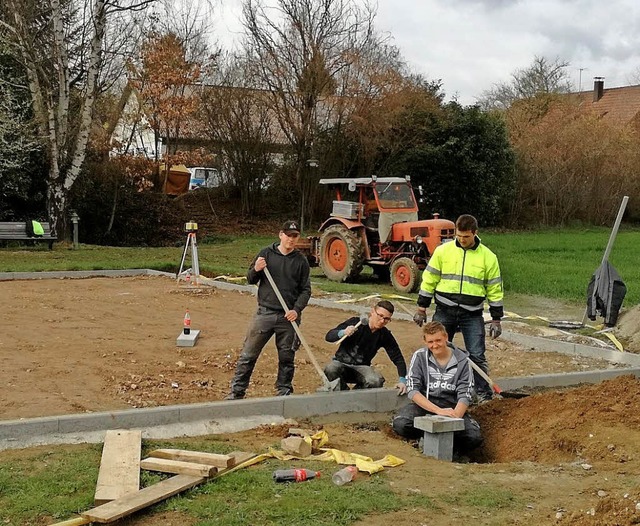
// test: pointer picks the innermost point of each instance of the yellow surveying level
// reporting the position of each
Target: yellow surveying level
(190, 275)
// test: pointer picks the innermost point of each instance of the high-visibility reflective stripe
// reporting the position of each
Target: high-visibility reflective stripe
(425, 294)
(450, 303)
(431, 270)
(494, 281)
(469, 279)
(496, 304)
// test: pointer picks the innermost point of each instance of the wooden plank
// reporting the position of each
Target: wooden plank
(240, 456)
(210, 459)
(119, 472)
(245, 463)
(78, 521)
(178, 467)
(133, 502)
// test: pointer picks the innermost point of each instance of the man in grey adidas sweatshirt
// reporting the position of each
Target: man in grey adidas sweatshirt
(439, 382)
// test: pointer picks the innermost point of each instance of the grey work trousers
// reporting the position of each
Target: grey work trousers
(363, 376)
(265, 324)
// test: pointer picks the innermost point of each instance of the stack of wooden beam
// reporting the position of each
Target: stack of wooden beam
(118, 492)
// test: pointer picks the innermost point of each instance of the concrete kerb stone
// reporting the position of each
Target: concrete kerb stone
(9, 276)
(192, 419)
(564, 379)
(538, 344)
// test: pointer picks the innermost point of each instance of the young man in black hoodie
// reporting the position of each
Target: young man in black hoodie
(290, 271)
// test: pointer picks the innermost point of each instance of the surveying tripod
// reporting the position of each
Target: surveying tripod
(191, 274)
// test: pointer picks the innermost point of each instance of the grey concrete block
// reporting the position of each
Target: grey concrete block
(538, 343)
(388, 401)
(564, 379)
(324, 403)
(126, 419)
(438, 424)
(16, 429)
(438, 446)
(231, 409)
(188, 340)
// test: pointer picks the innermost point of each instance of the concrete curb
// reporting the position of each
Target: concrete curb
(538, 344)
(77, 274)
(564, 379)
(239, 415)
(194, 419)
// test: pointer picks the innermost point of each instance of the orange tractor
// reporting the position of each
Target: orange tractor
(377, 226)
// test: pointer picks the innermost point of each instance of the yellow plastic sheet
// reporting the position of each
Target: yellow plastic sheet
(377, 296)
(363, 463)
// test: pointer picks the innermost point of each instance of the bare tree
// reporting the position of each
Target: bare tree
(62, 48)
(542, 76)
(301, 51)
(240, 123)
(571, 164)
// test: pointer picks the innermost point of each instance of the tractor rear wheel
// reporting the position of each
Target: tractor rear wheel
(405, 275)
(341, 253)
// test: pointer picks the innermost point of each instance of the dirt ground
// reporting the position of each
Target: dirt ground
(76, 345)
(569, 457)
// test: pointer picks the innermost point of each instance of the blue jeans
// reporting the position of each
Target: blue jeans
(363, 376)
(265, 324)
(471, 325)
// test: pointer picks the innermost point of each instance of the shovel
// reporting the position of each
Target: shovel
(327, 385)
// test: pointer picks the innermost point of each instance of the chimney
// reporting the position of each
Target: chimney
(598, 88)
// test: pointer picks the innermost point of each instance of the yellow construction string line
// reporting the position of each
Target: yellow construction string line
(615, 341)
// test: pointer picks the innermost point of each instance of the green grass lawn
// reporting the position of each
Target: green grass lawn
(550, 263)
(52, 484)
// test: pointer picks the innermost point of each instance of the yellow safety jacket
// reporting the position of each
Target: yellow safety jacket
(461, 278)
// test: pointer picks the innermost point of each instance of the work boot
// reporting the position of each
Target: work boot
(284, 392)
(234, 396)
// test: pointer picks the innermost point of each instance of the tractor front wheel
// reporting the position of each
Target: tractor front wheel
(405, 275)
(341, 253)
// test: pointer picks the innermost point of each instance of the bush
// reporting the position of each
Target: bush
(114, 211)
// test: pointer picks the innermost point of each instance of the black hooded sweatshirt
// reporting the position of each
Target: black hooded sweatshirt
(291, 275)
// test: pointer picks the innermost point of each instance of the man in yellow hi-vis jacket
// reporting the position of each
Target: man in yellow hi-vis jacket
(460, 275)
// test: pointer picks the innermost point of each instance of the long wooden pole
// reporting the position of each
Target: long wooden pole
(297, 329)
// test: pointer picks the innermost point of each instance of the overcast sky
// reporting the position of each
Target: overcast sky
(472, 44)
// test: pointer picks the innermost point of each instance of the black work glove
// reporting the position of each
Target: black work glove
(495, 329)
(420, 318)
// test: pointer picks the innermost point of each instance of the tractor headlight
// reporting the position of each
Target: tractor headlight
(418, 239)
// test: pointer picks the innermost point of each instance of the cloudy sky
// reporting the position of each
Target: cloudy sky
(471, 44)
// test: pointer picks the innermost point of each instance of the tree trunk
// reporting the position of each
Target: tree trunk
(56, 208)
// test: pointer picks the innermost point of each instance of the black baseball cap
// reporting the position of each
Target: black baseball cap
(291, 227)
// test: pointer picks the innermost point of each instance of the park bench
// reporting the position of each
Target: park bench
(17, 231)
